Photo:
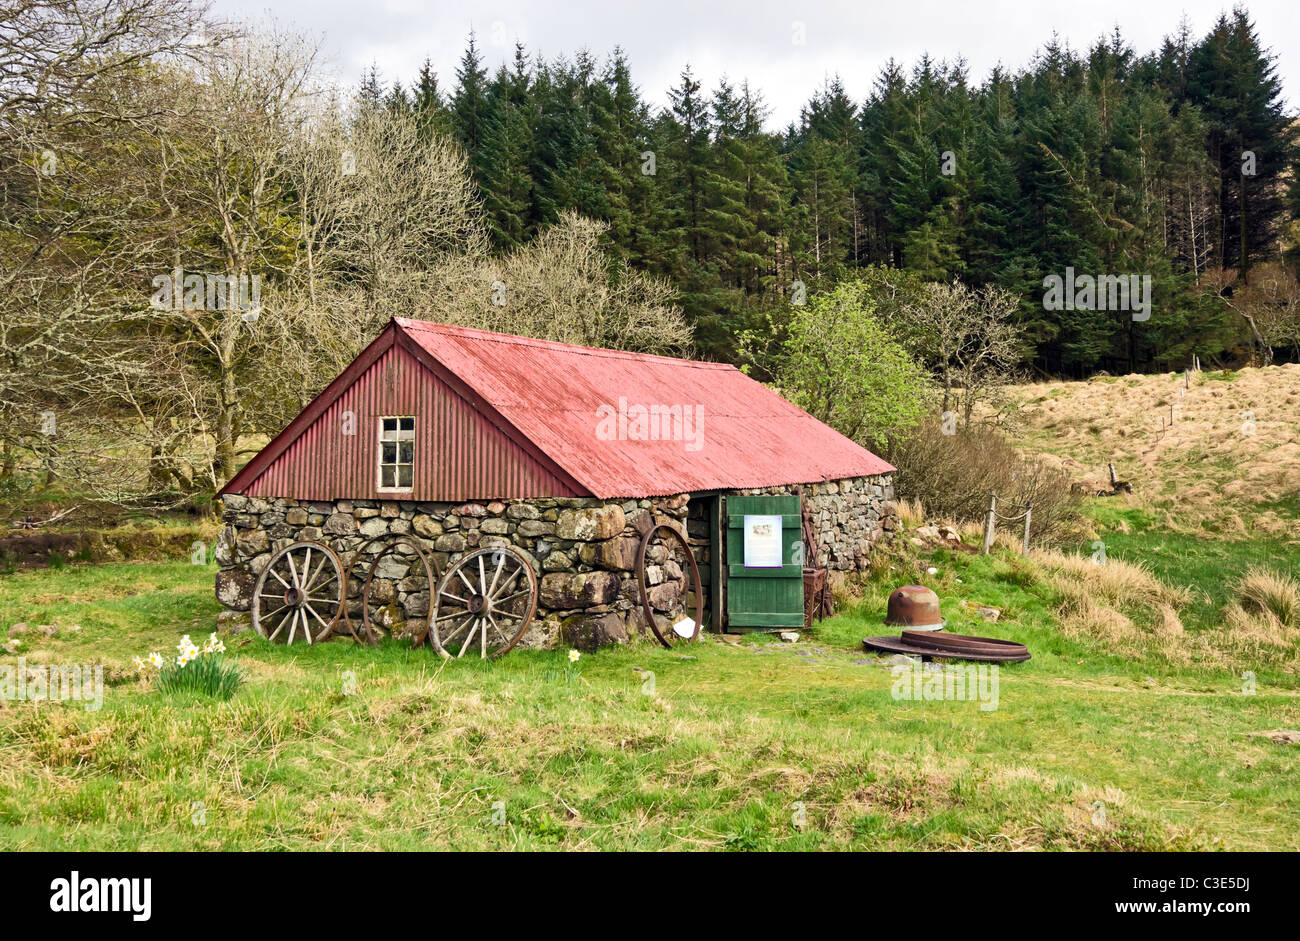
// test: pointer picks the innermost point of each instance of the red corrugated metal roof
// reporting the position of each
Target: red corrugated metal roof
(567, 400)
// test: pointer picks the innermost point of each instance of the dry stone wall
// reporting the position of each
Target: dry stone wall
(848, 515)
(583, 550)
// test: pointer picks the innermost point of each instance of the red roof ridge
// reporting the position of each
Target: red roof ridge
(476, 333)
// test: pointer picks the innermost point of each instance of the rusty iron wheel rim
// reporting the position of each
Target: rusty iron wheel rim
(951, 646)
(285, 594)
(353, 558)
(475, 594)
(430, 574)
(646, 607)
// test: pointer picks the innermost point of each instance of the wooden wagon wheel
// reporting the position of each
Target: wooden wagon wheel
(490, 594)
(430, 574)
(672, 636)
(300, 591)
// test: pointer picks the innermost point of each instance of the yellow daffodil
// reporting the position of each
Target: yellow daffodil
(155, 659)
(139, 664)
(573, 656)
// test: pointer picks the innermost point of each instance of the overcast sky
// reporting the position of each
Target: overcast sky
(786, 49)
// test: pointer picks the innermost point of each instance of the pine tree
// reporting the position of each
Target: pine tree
(506, 182)
(1232, 79)
(427, 102)
(469, 105)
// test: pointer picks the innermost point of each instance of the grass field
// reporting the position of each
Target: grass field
(756, 746)
(1142, 723)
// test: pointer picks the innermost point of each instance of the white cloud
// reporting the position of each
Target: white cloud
(754, 40)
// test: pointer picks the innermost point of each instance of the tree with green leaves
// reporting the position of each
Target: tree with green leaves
(840, 362)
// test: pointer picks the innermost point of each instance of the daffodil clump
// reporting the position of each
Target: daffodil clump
(193, 669)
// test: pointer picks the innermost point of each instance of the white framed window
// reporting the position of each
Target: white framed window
(396, 453)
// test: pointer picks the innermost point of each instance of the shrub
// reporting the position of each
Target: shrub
(840, 362)
(951, 476)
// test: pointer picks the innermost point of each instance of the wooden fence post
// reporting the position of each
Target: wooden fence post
(990, 523)
(1029, 512)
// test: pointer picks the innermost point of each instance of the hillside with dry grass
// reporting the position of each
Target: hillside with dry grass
(1197, 565)
(1218, 457)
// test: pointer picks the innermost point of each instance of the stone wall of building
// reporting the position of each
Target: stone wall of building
(848, 516)
(583, 550)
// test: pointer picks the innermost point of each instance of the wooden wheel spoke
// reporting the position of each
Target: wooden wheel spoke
(277, 577)
(283, 621)
(462, 626)
(322, 577)
(306, 569)
(496, 575)
(468, 638)
(457, 598)
(318, 618)
(468, 585)
(506, 585)
(497, 602)
(497, 628)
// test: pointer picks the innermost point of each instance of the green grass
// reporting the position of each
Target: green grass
(736, 744)
(1209, 565)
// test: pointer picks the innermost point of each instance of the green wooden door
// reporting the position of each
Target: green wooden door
(766, 589)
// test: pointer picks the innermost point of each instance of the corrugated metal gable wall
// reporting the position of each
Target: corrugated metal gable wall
(459, 455)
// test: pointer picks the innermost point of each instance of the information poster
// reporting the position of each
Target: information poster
(762, 542)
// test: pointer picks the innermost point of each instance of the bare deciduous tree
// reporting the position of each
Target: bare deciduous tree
(1268, 302)
(966, 336)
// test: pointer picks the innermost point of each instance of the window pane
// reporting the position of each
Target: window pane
(405, 472)
(388, 452)
(406, 424)
(406, 452)
(390, 425)
(386, 476)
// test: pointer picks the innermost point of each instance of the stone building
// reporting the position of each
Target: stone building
(465, 439)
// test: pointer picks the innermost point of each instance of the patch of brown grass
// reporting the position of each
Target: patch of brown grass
(1272, 593)
(1119, 604)
(1212, 464)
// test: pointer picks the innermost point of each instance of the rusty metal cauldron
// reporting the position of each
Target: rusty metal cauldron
(916, 608)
